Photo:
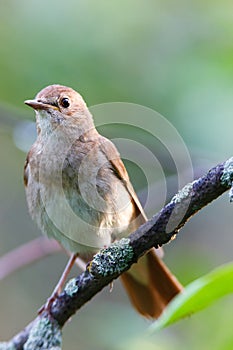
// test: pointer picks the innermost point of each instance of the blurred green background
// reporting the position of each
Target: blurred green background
(174, 57)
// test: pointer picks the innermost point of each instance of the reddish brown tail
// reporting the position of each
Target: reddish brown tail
(150, 285)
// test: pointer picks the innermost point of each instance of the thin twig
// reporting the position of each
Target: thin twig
(26, 254)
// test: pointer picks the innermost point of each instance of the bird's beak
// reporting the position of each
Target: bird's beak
(38, 105)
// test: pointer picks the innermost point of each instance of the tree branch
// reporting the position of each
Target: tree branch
(109, 263)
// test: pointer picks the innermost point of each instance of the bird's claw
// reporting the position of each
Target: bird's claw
(48, 304)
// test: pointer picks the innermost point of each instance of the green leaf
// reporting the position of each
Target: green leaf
(197, 296)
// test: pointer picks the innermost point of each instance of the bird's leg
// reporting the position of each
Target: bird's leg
(57, 290)
(81, 264)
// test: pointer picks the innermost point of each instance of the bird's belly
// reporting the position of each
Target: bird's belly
(76, 224)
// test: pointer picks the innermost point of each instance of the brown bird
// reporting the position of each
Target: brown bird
(78, 191)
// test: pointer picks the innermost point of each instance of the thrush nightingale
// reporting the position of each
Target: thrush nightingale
(78, 192)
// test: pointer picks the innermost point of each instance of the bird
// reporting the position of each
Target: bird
(78, 191)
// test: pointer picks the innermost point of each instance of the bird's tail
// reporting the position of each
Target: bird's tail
(150, 285)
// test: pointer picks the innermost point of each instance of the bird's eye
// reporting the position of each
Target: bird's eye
(65, 102)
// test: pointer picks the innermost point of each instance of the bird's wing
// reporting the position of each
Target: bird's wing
(113, 156)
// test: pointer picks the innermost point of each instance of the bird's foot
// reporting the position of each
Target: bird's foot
(48, 304)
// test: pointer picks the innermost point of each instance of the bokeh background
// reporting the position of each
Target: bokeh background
(174, 57)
